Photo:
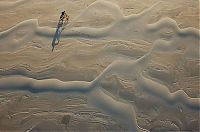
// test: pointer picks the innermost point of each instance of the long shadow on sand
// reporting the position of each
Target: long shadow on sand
(57, 34)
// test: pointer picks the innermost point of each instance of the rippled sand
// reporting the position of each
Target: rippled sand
(120, 66)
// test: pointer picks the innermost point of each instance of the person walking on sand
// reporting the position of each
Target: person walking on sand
(64, 16)
(59, 29)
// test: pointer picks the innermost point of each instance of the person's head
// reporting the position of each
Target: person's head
(63, 12)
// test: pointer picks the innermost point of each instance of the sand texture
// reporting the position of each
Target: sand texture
(119, 66)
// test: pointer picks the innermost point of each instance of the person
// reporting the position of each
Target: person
(64, 16)
(59, 29)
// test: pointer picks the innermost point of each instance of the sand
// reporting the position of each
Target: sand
(119, 66)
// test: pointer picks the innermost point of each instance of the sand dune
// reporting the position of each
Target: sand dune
(118, 30)
(4, 5)
(163, 37)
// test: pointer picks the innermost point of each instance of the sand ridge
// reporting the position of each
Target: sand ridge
(164, 36)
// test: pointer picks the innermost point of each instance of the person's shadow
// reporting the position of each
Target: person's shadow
(57, 34)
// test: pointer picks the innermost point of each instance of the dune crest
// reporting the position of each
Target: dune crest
(164, 37)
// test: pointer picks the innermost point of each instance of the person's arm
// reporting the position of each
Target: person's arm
(66, 16)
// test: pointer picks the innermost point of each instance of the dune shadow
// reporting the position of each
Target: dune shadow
(57, 34)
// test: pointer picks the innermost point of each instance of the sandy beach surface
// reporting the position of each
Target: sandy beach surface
(120, 65)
